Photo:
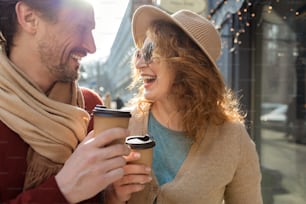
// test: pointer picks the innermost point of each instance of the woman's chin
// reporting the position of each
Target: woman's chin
(148, 96)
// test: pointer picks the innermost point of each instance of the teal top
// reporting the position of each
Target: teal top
(170, 151)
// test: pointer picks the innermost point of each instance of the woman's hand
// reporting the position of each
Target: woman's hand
(134, 180)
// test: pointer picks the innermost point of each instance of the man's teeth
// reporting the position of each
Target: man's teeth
(76, 57)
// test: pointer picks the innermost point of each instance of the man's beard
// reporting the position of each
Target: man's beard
(60, 71)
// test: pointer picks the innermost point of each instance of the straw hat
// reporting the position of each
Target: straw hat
(198, 28)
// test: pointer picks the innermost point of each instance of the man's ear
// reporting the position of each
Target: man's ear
(27, 17)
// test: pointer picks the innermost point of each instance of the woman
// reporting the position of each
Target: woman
(203, 153)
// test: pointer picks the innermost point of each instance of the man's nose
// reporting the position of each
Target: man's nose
(89, 44)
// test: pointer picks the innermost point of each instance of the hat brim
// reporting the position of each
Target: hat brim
(145, 15)
(142, 19)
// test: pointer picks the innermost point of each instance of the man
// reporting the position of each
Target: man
(45, 155)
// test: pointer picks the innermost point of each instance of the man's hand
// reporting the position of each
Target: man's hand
(93, 166)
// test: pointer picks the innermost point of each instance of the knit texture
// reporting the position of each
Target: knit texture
(221, 166)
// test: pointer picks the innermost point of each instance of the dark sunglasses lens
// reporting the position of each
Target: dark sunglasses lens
(138, 54)
(147, 52)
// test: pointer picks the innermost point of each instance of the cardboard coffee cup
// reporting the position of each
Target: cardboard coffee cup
(144, 145)
(105, 118)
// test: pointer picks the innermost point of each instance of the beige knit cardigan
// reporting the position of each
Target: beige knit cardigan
(223, 166)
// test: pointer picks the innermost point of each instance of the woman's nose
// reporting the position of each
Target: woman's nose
(140, 62)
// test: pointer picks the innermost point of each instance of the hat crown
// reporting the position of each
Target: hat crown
(201, 31)
(198, 28)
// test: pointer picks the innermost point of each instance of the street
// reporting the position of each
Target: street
(283, 168)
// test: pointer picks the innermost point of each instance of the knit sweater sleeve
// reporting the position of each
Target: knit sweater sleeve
(47, 193)
(245, 185)
(91, 99)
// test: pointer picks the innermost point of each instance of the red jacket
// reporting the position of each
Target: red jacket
(13, 153)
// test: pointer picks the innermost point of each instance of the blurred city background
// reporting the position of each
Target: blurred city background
(263, 60)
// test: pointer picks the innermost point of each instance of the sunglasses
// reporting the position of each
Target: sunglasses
(146, 53)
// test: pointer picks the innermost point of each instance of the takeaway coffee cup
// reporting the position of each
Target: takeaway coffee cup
(144, 145)
(105, 118)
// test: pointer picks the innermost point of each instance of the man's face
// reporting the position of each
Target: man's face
(62, 44)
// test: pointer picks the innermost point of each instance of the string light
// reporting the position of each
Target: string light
(245, 15)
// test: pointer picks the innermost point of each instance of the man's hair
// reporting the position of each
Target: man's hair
(8, 17)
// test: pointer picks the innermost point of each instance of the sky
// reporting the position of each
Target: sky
(108, 15)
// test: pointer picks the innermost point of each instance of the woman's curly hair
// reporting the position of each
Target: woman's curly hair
(199, 88)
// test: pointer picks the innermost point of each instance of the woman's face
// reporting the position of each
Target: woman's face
(155, 74)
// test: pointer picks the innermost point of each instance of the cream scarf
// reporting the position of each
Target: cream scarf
(52, 125)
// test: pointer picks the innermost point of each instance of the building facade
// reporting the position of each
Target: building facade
(264, 61)
(264, 44)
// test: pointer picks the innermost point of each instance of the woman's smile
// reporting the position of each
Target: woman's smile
(148, 80)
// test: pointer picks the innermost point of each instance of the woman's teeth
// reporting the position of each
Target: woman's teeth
(148, 79)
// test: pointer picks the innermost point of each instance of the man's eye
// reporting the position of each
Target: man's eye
(81, 28)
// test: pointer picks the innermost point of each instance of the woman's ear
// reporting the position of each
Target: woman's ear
(27, 17)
